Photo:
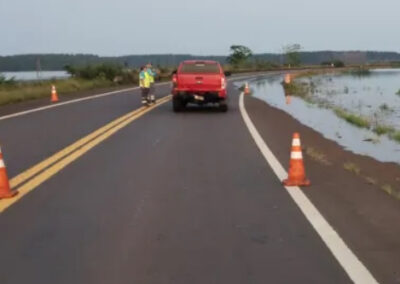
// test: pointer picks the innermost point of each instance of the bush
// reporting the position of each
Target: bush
(90, 72)
(335, 63)
(7, 82)
(106, 71)
(338, 64)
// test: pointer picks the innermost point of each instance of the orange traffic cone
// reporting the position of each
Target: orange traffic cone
(246, 89)
(54, 96)
(5, 191)
(297, 175)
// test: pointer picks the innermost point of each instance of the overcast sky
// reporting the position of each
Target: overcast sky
(120, 27)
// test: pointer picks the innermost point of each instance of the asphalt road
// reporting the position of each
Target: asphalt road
(169, 198)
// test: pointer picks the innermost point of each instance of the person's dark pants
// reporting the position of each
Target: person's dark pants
(145, 93)
(152, 91)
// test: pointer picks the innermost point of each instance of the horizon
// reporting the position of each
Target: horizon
(193, 54)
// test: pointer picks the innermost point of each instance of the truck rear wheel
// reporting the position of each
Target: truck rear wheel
(177, 104)
(223, 106)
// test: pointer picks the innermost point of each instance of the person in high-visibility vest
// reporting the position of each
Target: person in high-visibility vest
(144, 84)
(152, 74)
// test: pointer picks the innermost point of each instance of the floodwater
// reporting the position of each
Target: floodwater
(35, 76)
(325, 121)
(372, 96)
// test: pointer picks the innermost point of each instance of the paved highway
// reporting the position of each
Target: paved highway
(154, 197)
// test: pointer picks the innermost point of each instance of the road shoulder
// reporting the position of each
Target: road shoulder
(363, 214)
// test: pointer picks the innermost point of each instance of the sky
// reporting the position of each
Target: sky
(201, 27)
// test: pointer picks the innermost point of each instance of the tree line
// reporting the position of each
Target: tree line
(291, 54)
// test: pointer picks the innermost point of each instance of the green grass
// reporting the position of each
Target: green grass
(356, 120)
(371, 180)
(34, 90)
(318, 156)
(390, 131)
(391, 191)
(351, 167)
(388, 189)
(395, 136)
(383, 129)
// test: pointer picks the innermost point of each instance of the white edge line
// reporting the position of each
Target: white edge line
(71, 102)
(354, 268)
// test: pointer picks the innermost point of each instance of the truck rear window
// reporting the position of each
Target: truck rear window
(200, 67)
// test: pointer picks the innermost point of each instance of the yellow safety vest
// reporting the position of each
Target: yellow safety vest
(151, 77)
(145, 83)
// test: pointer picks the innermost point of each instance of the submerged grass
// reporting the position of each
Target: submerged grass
(298, 89)
(395, 136)
(383, 129)
(305, 91)
(356, 120)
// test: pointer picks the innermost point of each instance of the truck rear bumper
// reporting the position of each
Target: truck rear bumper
(200, 97)
(221, 93)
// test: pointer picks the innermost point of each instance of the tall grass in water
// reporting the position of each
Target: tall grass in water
(356, 120)
(395, 136)
(383, 129)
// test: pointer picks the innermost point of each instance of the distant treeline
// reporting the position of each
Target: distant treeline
(30, 62)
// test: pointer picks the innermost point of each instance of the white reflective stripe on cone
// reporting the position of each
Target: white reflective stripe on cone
(2, 165)
(296, 155)
(296, 142)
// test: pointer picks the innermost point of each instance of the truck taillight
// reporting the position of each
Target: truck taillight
(174, 80)
(223, 83)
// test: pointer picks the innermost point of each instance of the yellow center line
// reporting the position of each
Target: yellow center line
(70, 154)
(22, 177)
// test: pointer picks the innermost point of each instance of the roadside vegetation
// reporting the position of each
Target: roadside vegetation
(22, 91)
(317, 155)
(351, 167)
(83, 78)
(356, 170)
(6, 82)
(389, 189)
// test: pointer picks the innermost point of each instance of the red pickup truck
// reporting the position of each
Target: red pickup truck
(199, 82)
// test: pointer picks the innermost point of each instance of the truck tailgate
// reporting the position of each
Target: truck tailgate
(199, 82)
